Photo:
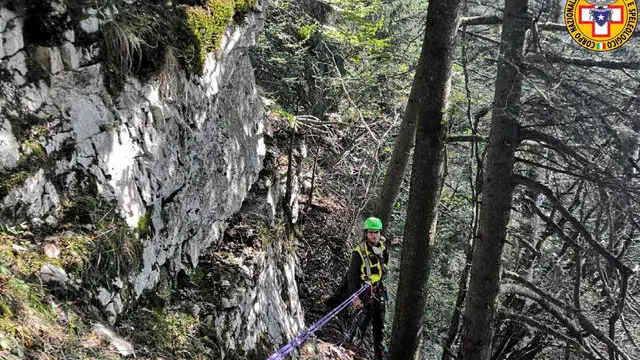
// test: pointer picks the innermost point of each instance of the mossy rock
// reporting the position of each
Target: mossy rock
(144, 224)
(12, 181)
(243, 7)
(205, 27)
(150, 30)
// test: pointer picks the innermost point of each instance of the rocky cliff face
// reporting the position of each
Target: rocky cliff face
(176, 154)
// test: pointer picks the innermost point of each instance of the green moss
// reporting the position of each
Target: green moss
(137, 39)
(29, 326)
(177, 326)
(76, 251)
(25, 263)
(33, 158)
(197, 276)
(12, 181)
(206, 27)
(29, 295)
(35, 149)
(242, 7)
(23, 314)
(5, 310)
(144, 224)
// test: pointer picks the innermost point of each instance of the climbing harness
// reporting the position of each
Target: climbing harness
(298, 340)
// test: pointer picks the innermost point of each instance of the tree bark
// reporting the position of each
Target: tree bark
(498, 188)
(426, 108)
(398, 164)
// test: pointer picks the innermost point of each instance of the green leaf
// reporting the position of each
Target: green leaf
(4, 270)
(5, 344)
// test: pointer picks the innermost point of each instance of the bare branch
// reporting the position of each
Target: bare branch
(481, 20)
(553, 310)
(554, 169)
(606, 64)
(552, 27)
(496, 20)
(544, 300)
(534, 135)
(549, 330)
(626, 330)
(548, 193)
(543, 295)
(555, 227)
(466, 138)
(593, 330)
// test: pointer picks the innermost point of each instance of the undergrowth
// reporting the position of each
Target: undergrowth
(93, 246)
(33, 324)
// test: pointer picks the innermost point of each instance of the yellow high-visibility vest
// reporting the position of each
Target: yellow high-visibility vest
(365, 268)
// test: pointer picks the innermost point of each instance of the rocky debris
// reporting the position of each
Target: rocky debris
(314, 349)
(53, 274)
(110, 303)
(51, 251)
(123, 347)
(256, 294)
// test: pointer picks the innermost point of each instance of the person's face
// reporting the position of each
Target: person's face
(373, 236)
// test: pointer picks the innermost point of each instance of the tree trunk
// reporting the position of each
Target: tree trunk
(397, 166)
(426, 107)
(498, 188)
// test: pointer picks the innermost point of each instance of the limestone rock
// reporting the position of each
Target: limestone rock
(11, 38)
(16, 65)
(180, 158)
(39, 194)
(48, 59)
(69, 55)
(90, 25)
(122, 346)
(53, 274)
(9, 153)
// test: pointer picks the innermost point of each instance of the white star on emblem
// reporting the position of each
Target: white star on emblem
(600, 17)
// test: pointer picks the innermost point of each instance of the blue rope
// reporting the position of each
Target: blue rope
(302, 337)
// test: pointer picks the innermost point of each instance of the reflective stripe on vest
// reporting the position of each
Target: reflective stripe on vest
(365, 268)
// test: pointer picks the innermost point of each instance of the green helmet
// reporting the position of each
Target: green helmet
(373, 223)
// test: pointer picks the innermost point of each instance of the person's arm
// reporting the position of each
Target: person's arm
(355, 282)
(385, 256)
(354, 272)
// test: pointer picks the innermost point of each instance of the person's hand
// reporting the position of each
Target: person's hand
(358, 303)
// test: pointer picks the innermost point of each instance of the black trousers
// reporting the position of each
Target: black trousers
(373, 313)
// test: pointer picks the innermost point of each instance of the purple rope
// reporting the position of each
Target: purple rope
(302, 337)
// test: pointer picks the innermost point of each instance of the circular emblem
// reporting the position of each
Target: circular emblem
(601, 25)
